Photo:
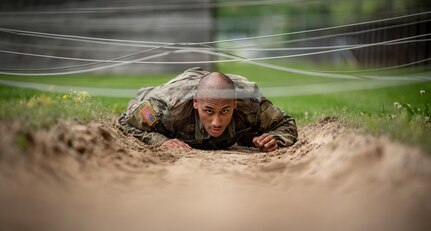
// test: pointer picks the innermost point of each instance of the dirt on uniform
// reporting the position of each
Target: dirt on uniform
(76, 176)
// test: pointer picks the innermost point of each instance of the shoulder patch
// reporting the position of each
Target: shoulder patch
(149, 115)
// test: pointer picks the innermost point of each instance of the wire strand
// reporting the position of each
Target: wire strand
(342, 34)
(380, 69)
(212, 61)
(219, 53)
(96, 39)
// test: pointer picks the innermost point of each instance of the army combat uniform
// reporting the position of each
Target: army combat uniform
(166, 112)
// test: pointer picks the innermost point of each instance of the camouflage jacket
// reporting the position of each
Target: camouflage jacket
(166, 112)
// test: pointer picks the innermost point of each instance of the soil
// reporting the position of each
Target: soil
(76, 176)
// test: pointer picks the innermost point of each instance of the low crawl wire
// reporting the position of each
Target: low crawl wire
(224, 49)
(252, 61)
(94, 39)
(340, 34)
(219, 61)
(236, 48)
(83, 65)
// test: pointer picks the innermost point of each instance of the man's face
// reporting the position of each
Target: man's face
(215, 114)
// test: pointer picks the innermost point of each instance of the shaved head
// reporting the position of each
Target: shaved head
(216, 85)
(215, 102)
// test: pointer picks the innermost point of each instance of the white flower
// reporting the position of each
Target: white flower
(422, 92)
(427, 118)
(393, 116)
(397, 105)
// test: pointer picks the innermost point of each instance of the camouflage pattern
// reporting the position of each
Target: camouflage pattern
(174, 115)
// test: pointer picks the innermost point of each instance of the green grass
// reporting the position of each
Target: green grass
(41, 110)
(372, 111)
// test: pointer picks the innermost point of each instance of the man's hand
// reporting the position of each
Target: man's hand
(174, 144)
(265, 142)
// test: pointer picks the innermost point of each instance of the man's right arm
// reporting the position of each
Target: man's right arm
(148, 137)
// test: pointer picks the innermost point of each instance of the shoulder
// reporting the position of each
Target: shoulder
(249, 98)
(247, 91)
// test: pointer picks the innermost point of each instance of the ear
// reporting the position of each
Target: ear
(235, 103)
(195, 103)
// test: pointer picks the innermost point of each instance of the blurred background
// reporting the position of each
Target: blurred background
(44, 36)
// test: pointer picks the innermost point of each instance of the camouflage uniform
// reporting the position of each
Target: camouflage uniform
(166, 112)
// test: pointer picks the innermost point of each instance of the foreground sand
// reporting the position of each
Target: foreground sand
(91, 177)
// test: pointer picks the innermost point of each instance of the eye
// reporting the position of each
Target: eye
(224, 111)
(209, 111)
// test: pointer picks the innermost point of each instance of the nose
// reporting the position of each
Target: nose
(216, 121)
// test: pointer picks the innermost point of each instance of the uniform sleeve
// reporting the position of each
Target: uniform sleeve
(277, 123)
(150, 137)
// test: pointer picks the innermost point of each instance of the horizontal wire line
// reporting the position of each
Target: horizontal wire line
(209, 42)
(379, 69)
(319, 29)
(121, 57)
(316, 47)
(307, 89)
(87, 64)
(117, 63)
(203, 51)
(324, 71)
(204, 48)
(300, 71)
(229, 48)
(343, 34)
(293, 70)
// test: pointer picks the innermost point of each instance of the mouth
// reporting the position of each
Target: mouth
(216, 131)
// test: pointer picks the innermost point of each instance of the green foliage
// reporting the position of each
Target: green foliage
(43, 110)
(112, 104)
(406, 122)
(418, 112)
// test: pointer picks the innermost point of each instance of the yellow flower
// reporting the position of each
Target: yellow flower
(39, 100)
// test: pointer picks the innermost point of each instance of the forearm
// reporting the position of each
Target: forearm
(278, 124)
(148, 137)
(284, 139)
(151, 138)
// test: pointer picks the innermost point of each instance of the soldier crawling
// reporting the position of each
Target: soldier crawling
(204, 110)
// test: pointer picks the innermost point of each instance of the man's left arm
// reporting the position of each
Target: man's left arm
(276, 127)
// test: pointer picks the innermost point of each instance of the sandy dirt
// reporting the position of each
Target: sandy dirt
(76, 176)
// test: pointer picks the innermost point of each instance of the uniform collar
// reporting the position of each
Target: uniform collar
(202, 134)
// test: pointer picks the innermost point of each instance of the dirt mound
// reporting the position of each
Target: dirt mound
(92, 177)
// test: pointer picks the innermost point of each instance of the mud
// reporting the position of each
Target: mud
(76, 176)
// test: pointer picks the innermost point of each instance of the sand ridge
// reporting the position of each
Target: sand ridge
(93, 177)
